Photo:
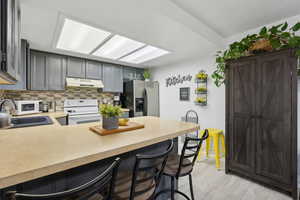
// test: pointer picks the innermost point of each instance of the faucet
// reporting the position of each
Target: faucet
(13, 106)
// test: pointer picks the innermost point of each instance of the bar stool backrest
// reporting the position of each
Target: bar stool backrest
(190, 150)
(103, 182)
(148, 170)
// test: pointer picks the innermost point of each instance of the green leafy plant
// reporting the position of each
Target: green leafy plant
(201, 89)
(147, 74)
(201, 75)
(201, 100)
(270, 39)
(107, 110)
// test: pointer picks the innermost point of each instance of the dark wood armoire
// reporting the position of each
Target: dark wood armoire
(261, 119)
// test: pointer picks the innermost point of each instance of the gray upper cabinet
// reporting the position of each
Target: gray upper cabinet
(37, 75)
(75, 67)
(10, 41)
(93, 70)
(47, 71)
(112, 78)
(22, 69)
(139, 74)
(130, 73)
(55, 72)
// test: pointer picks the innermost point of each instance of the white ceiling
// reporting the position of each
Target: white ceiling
(186, 28)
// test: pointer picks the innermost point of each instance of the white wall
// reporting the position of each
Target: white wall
(212, 115)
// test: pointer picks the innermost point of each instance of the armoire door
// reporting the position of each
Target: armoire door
(241, 90)
(274, 120)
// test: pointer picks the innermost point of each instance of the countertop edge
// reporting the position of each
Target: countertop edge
(52, 169)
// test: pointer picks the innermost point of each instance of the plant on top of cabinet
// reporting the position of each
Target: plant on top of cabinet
(147, 75)
(268, 39)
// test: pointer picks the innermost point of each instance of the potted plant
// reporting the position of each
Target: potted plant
(201, 76)
(268, 39)
(201, 90)
(110, 116)
(201, 100)
(147, 75)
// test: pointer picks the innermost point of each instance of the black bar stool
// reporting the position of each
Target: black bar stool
(141, 184)
(179, 166)
(87, 191)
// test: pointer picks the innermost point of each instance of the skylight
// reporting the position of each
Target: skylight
(81, 38)
(145, 54)
(117, 47)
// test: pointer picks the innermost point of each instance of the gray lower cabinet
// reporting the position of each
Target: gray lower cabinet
(47, 71)
(55, 72)
(75, 67)
(93, 70)
(112, 78)
(37, 72)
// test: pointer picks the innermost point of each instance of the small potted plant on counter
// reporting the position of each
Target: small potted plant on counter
(110, 115)
(147, 75)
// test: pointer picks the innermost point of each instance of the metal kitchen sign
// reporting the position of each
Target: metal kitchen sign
(174, 80)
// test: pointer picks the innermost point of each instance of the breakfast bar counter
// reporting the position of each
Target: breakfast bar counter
(34, 152)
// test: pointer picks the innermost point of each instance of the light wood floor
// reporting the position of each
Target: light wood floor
(210, 184)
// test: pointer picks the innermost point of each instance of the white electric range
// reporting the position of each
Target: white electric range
(81, 111)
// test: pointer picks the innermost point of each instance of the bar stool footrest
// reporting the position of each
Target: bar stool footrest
(169, 190)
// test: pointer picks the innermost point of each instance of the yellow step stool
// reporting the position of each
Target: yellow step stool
(215, 135)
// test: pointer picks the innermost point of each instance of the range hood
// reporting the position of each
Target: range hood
(87, 83)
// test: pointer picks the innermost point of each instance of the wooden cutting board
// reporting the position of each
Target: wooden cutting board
(130, 127)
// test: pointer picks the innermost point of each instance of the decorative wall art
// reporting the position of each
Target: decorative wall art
(184, 94)
(201, 90)
(174, 80)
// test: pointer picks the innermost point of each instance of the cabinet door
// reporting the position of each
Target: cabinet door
(76, 67)
(37, 80)
(22, 70)
(118, 79)
(139, 74)
(112, 78)
(93, 70)
(128, 73)
(274, 107)
(108, 77)
(10, 36)
(241, 108)
(55, 72)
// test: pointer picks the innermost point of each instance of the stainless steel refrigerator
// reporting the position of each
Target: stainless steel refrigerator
(142, 98)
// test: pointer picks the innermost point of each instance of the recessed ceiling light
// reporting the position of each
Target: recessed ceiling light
(117, 47)
(79, 37)
(145, 54)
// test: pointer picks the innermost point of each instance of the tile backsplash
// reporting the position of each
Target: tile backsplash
(58, 96)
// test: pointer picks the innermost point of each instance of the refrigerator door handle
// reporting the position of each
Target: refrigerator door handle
(145, 110)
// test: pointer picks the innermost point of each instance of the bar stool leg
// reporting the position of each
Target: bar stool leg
(172, 188)
(223, 144)
(207, 146)
(191, 187)
(216, 148)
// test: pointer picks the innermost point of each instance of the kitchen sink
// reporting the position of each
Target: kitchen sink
(30, 121)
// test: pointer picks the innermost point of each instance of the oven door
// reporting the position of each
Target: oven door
(81, 119)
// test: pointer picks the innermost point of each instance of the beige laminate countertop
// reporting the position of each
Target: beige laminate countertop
(33, 152)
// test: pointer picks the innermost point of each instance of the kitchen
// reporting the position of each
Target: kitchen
(91, 90)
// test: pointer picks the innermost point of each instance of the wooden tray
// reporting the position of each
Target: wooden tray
(130, 127)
